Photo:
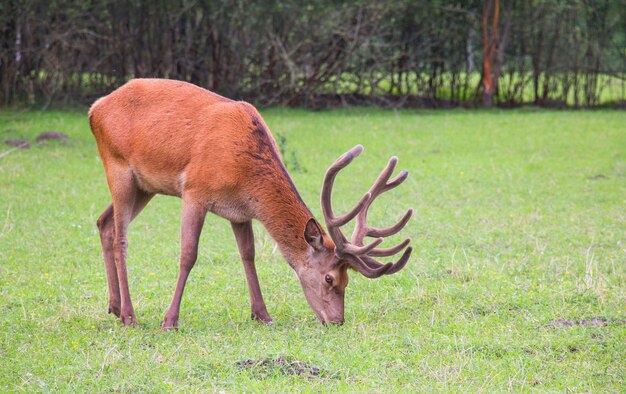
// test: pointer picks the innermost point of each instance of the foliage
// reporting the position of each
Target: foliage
(289, 157)
(288, 52)
(517, 281)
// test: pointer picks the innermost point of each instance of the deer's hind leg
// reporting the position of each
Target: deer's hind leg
(128, 201)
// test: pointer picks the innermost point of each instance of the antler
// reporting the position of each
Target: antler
(358, 255)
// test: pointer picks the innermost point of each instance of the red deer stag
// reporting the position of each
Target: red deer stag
(174, 138)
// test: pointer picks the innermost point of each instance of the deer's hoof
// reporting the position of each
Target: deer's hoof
(115, 309)
(131, 321)
(263, 318)
(169, 324)
(128, 318)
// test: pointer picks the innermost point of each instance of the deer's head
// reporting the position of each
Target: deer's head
(324, 276)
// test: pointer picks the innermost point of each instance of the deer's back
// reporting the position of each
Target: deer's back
(176, 137)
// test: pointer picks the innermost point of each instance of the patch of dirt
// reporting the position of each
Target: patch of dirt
(572, 349)
(561, 323)
(42, 137)
(531, 351)
(17, 142)
(596, 177)
(593, 322)
(147, 345)
(50, 135)
(284, 366)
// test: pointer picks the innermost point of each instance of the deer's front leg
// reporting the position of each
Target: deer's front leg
(191, 227)
(245, 242)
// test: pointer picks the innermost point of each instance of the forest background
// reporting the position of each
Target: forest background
(412, 53)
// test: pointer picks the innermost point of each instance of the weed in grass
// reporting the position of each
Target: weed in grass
(290, 157)
(282, 365)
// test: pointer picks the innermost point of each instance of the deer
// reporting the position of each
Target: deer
(159, 136)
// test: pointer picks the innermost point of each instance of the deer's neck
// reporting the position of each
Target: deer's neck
(284, 215)
(278, 204)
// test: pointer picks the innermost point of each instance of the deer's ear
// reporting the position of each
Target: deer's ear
(313, 234)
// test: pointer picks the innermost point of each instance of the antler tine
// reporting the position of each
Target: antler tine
(362, 250)
(397, 180)
(332, 222)
(380, 184)
(345, 218)
(398, 265)
(386, 252)
(391, 230)
(371, 268)
(327, 186)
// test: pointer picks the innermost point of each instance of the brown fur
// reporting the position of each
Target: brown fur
(223, 148)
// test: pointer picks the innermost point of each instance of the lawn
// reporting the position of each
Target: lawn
(517, 281)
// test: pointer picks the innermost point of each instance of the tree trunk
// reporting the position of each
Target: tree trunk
(489, 83)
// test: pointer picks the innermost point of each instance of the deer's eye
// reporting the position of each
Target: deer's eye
(329, 279)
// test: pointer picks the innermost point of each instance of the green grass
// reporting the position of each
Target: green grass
(520, 229)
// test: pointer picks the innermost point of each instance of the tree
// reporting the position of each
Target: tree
(493, 49)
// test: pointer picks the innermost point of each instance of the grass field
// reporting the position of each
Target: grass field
(517, 281)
